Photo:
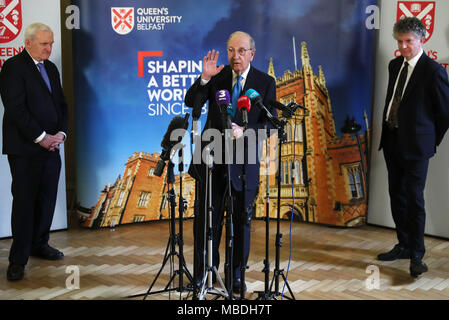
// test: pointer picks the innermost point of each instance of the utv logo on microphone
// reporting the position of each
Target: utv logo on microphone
(222, 95)
(122, 20)
(423, 10)
(10, 20)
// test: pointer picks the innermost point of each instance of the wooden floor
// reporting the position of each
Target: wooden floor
(326, 264)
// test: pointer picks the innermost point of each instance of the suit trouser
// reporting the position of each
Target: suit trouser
(406, 182)
(241, 223)
(34, 189)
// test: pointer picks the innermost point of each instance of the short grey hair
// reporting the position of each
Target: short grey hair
(409, 25)
(32, 29)
(252, 43)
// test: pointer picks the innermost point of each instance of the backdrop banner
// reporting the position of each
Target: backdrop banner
(436, 46)
(135, 60)
(15, 16)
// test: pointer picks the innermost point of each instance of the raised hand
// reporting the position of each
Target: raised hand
(210, 68)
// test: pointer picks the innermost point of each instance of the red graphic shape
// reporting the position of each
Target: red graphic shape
(10, 20)
(141, 55)
(423, 10)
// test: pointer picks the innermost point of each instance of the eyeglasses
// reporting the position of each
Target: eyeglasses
(241, 51)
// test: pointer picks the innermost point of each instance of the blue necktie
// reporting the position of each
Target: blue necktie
(236, 94)
(44, 74)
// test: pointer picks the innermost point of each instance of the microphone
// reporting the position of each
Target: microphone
(223, 99)
(256, 99)
(167, 144)
(196, 113)
(244, 106)
(287, 111)
(198, 104)
(176, 123)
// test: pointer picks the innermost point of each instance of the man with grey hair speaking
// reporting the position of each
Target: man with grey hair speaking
(415, 119)
(34, 126)
(237, 77)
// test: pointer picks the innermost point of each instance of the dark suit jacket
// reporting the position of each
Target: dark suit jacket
(30, 107)
(423, 115)
(257, 80)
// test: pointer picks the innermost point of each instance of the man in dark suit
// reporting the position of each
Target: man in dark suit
(34, 126)
(236, 78)
(415, 119)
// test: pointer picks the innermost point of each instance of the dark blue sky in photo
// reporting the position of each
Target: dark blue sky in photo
(112, 120)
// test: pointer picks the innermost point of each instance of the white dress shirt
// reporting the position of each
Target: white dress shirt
(411, 66)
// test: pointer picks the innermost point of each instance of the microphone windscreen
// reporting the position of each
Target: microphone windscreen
(278, 105)
(244, 102)
(222, 97)
(252, 94)
(198, 106)
(177, 122)
(230, 110)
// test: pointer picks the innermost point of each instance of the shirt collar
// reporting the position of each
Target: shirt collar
(35, 61)
(244, 74)
(412, 62)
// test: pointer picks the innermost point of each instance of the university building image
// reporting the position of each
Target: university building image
(322, 171)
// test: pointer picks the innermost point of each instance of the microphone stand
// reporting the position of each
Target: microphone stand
(173, 238)
(182, 206)
(277, 271)
(210, 269)
(196, 140)
(229, 276)
(268, 293)
(244, 218)
(264, 295)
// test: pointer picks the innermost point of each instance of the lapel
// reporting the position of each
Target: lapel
(227, 80)
(393, 75)
(250, 81)
(35, 71)
(415, 77)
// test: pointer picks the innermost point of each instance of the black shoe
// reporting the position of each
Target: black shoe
(237, 285)
(397, 252)
(417, 267)
(47, 253)
(15, 272)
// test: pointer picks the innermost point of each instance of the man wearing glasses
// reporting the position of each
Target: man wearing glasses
(236, 78)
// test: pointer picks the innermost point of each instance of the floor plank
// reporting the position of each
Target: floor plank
(326, 264)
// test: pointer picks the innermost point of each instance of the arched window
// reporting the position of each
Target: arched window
(298, 132)
(292, 172)
(286, 171)
(298, 173)
(288, 132)
(355, 182)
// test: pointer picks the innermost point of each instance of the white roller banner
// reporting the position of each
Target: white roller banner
(434, 16)
(15, 16)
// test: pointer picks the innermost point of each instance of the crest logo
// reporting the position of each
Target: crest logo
(423, 10)
(10, 20)
(122, 20)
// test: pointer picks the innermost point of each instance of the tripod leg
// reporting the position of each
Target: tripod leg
(288, 287)
(166, 257)
(203, 286)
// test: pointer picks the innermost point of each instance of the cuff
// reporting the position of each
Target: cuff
(204, 82)
(40, 138)
(63, 133)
